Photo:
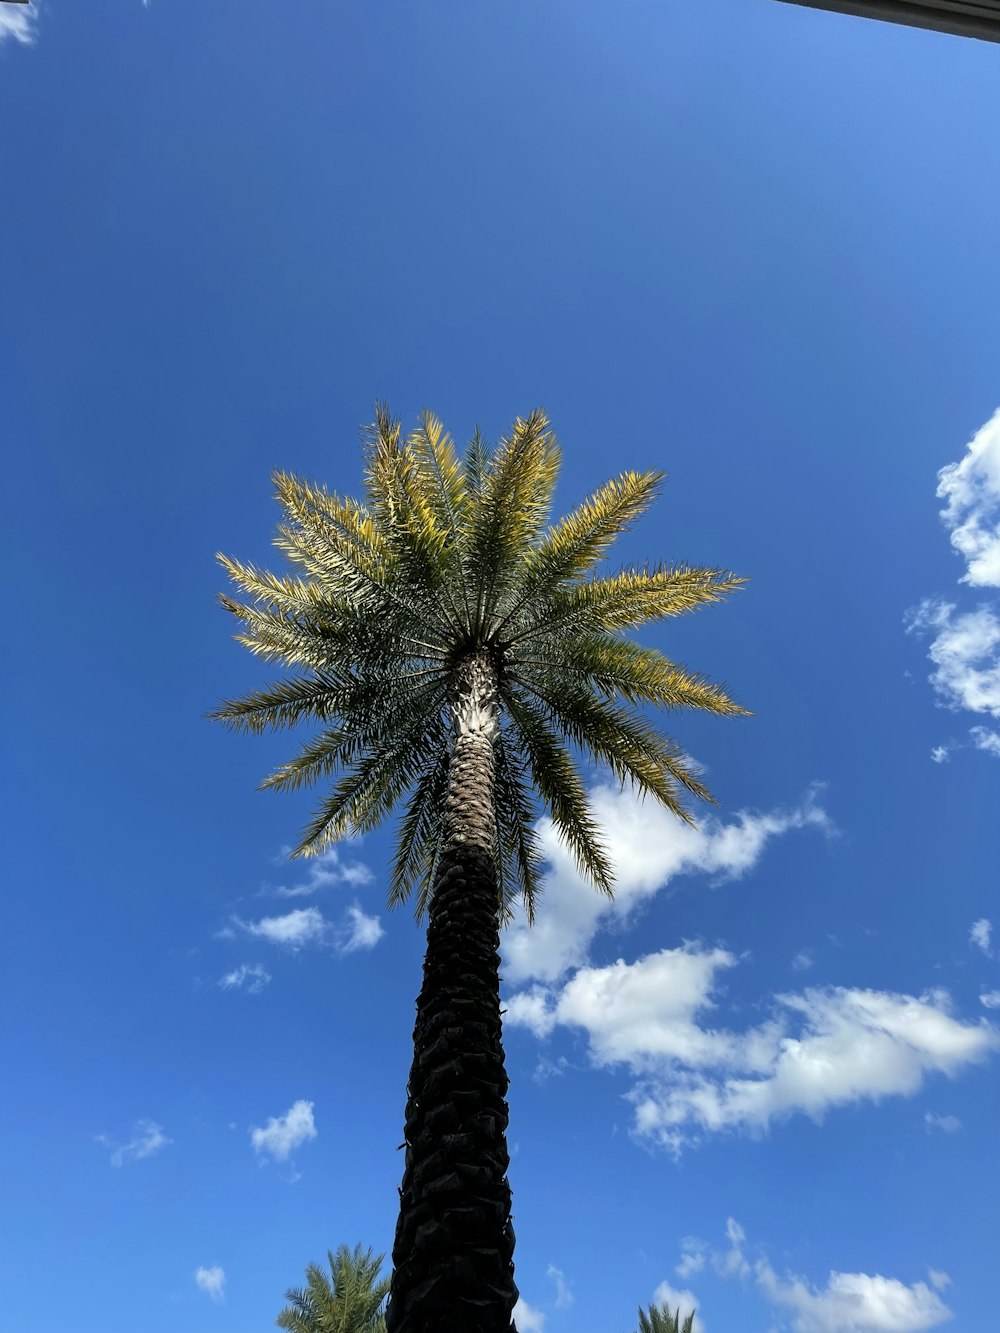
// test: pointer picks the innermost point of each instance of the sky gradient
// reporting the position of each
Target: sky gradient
(749, 243)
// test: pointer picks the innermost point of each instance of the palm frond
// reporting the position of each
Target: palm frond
(583, 537)
(513, 503)
(348, 1299)
(558, 783)
(628, 599)
(659, 1320)
(519, 858)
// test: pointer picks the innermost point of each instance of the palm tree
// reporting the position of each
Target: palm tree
(452, 648)
(350, 1300)
(660, 1320)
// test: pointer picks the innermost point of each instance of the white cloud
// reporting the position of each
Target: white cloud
(250, 977)
(212, 1282)
(361, 932)
(284, 1133)
(965, 651)
(980, 933)
(527, 1319)
(854, 1303)
(304, 925)
(986, 740)
(732, 1262)
(693, 1253)
(818, 1049)
(308, 926)
(965, 647)
(948, 1124)
(990, 999)
(971, 489)
(18, 23)
(147, 1139)
(685, 1301)
(802, 961)
(564, 1296)
(648, 848)
(938, 1279)
(848, 1303)
(324, 870)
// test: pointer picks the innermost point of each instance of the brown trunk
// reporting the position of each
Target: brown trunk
(453, 1269)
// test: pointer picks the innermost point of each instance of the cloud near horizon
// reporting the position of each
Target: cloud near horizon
(648, 848)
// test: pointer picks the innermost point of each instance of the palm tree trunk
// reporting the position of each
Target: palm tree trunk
(453, 1269)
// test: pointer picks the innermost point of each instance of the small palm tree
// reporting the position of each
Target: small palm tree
(660, 1320)
(452, 647)
(349, 1300)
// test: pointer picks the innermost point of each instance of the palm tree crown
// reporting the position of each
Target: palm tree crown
(449, 565)
(349, 1300)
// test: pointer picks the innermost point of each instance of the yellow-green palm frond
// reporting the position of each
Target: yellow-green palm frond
(445, 554)
(627, 599)
(575, 544)
(618, 666)
(513, 503)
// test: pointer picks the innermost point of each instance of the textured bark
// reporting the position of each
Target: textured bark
(453, 1269)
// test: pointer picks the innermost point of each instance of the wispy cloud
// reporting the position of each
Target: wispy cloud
(965, 650)
(284, 1133)
(965, 644)
(359, 931)
(648, 848)
(846, 1303)
(981, 936)
(212, 1281)
(990, 999)
(305, 926)
(147, 1139)
(947, 1124)
(820, 1048)
(330, 868)
(692, 1261)
(250, 977)
(563, 1298)
(19, 23)
(971, 491)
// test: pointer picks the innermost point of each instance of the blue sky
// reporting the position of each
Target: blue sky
(747, 242)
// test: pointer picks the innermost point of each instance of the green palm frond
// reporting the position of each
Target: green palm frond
(558, 783)
(659, 1320)
(446, 554)
(349, 1299)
